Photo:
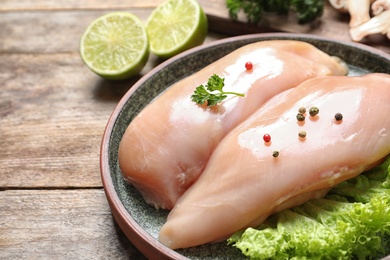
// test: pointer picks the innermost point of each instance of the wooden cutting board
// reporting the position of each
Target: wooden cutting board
(332, 24)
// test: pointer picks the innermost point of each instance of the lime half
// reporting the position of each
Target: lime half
(175, 26)
(115, 46)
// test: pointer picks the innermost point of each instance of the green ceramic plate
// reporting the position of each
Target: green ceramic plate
(141, 222)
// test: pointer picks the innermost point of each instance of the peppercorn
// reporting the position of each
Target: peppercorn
(275, 154)
(267, 138)
(302, 134)
(338, 116)
(300, 117)
(302, 110)
(313, 111)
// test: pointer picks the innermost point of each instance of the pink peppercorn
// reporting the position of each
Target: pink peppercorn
(248, 65)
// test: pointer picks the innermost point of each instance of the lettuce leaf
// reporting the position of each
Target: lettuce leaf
(351, 221)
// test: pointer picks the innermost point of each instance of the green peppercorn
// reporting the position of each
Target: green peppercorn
(338, 116)
(275, 154)
(300, 117)
(302, 134)
(313, 111)
(302, 110)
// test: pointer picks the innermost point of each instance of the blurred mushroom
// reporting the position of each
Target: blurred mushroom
(339, 5)
(377, 24)
(361, 23)
(379, 6)
(359, 10)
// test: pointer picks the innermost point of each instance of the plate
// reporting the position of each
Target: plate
(141, 222)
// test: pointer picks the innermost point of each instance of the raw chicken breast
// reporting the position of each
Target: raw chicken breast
(168, 144)
(244, 183)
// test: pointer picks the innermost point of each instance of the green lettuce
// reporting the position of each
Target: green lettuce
(351, 222)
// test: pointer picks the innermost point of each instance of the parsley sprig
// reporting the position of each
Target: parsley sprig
(306, 10)
(212, 93)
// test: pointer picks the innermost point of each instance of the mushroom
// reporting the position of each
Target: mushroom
(361, 23)
(379, 6)
(339, 5)
(377, 24)
(359, 10)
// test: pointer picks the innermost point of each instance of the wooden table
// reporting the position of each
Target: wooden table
(53, 111)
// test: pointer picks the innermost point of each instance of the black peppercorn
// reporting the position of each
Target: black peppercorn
(300, 117)
(314, 111)
(338, 116)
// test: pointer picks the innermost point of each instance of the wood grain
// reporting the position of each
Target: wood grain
(60, 224)
(53, 116)
(60, 31)
(53, 5)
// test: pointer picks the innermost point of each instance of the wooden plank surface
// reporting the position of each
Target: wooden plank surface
(60, 31)
(60, 224)
(53, 111)
(53, 116)
(54, 5)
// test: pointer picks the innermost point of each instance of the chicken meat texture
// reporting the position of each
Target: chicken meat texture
(244, 183)
(166, 147)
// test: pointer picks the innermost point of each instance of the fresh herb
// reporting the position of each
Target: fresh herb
(251, 8)
(306, 10)
(212, 93)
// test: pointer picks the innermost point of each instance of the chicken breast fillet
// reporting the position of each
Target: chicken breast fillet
(244, 183)
(168, 144)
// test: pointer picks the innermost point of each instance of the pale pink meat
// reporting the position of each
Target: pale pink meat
(168, 144)
(243, 183)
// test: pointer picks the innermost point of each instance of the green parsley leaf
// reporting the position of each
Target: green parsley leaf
(254, 10)
(203, 94)
(215, 83)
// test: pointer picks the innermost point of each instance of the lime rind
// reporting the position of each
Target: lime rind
(175, 26)
(115, 45)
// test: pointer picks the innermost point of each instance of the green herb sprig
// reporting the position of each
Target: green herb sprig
(306, 10)
(212, 92)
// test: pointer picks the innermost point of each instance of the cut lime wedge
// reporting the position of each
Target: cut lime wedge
(115, 46)
(175, 26)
